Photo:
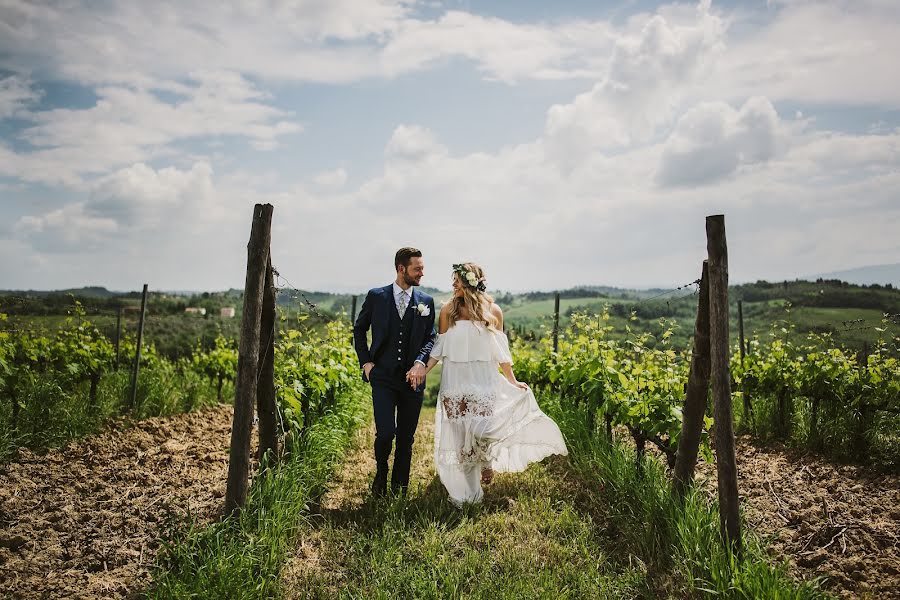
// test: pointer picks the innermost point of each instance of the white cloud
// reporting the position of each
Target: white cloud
(307, 40)
(712, 140)
(331, 179)
(413, 144)
(128, 202)
(502, 50)
(141, 197)
(128, 125)
(15, 94)
(649, 74)
(68, 228)
(831, 51)
(528, 222)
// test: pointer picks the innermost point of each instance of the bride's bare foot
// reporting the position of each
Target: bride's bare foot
(487, 476)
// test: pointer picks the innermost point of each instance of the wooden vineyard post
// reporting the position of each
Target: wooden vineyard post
(352, 316)
(748, 408)
(265, 393)
(137, 355)
(248, 359)
(118, 333)
(697, 394)
(726, 463)
(860, 442)
(556, 323)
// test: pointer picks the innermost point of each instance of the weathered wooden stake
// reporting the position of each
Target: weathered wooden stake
(265, 393)
(860, 441)
(726, 463)
(556, 323)
(697, 394)
(118, 333)
(137, 355)
(748, 407)
(248, 359)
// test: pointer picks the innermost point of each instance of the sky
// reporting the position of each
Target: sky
(554, 143)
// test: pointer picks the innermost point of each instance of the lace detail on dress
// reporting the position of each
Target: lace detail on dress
(458, 405)
(477, 453)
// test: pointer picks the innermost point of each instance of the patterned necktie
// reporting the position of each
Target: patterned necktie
(402, 307)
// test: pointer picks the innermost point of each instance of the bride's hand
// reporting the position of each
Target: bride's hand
(519, 384)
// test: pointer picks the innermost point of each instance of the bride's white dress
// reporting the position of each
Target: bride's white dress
(482, 420)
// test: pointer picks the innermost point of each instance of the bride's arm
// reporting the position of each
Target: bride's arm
(510, 376)
(506, 367)
(443, 326)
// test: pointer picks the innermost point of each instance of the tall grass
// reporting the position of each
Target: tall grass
(680, 541)
(242, 556)
(53, 411)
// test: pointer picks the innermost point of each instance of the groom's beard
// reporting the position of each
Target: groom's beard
(409, 280)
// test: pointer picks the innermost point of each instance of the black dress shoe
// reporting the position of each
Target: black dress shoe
(379, 485)
(398, 489)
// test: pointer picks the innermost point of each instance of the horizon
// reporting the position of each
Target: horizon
(363, 289)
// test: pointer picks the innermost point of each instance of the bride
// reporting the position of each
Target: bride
(485, 422)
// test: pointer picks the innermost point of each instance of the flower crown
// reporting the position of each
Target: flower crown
(469, 277)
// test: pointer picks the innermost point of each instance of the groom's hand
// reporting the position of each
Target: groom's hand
(416, 375)
(367, 368)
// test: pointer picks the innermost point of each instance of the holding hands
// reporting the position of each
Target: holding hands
(416, 376)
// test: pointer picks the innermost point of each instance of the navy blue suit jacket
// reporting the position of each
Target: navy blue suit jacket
(374, 313)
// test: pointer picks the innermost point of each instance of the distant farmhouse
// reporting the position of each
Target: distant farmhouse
(195, 310)
(227, 312)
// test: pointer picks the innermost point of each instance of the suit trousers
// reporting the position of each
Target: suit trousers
(396, 407)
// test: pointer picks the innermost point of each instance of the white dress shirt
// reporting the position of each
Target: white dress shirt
(397, 291)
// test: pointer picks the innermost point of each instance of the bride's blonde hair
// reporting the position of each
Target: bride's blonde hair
(475, 299)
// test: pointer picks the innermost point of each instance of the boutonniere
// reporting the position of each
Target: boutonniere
(423, 309)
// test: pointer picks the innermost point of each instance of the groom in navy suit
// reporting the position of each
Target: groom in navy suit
(402, 322)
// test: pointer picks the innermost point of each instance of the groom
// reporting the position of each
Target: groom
(402, 322)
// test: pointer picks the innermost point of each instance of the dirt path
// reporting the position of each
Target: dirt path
(841, 522)
(527, 539)
(350, 492)
(83, 521)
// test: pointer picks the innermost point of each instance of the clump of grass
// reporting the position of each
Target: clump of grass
(53, 411)
(680, 540)
(241, 556)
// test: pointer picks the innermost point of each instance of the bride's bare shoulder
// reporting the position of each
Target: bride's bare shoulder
(444, 318)
(497, 314)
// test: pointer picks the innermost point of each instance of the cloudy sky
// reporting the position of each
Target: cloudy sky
(556, 143)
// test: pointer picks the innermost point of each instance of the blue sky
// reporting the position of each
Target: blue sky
(556, 143)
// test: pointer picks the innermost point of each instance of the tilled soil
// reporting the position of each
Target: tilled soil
(827, 520)
(84, 521)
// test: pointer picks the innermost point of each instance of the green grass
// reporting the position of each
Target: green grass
(526, 540)
(679, 542)
(242, 556)
(585, 527)
(53, 412)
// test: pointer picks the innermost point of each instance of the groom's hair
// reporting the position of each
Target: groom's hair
(403, 255)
